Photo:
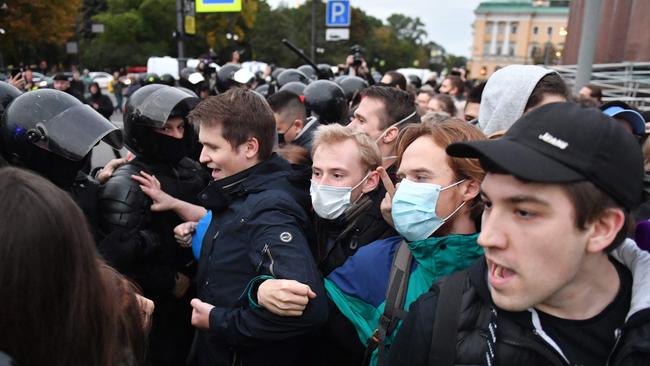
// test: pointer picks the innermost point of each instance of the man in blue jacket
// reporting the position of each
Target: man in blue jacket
(259, 230)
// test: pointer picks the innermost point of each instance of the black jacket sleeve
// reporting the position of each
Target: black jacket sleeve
(129, 244)
(281, 251)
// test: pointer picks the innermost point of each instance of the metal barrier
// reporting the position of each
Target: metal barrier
(628, 81)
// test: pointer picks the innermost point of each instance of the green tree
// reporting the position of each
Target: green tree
(31, 26)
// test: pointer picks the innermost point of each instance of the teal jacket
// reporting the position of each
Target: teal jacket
(358, 288)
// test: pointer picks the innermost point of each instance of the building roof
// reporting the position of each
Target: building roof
(522, 7)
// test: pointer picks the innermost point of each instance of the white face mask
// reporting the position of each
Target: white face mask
(394, 125)
(330, 202)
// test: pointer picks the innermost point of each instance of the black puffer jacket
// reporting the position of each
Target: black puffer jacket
(518, 344)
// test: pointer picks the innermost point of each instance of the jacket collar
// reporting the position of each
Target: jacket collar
(219, 193)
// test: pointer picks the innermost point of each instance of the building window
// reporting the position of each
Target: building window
(499, 48)
(511, 51)
(486, 48)
(513, 29)
(535, 30)
(549, 31)
(501, 27)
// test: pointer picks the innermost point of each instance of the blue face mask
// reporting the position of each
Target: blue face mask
(414, 209)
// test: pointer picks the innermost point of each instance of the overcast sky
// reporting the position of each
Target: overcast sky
(448, 22)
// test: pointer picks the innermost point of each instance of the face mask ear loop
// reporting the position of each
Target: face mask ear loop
(453, 213)
(461, 205)
(358, 184)
(381, 137)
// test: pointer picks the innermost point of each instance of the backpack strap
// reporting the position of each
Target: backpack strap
(445, 327)
(393, 307)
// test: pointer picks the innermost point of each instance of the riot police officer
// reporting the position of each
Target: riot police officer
(154, 130)
(52, 133)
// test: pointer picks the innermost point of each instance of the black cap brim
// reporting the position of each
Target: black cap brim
(514, 158)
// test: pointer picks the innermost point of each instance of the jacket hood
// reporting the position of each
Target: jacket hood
(506, 94)
(638, 262)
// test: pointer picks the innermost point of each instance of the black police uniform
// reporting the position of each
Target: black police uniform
(142, 244)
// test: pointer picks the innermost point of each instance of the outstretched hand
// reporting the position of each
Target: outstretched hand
(151, 187)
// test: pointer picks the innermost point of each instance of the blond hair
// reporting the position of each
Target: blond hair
(369, 154)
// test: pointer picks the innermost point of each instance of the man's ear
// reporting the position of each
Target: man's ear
(604, 229)
(371, 182)
(391, 135)
(252, 148)
(469, 189)
(299, 124)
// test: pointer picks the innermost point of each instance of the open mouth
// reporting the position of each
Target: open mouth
(216, 173)
(499, 274)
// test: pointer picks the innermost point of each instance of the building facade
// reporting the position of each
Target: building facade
(510, 32)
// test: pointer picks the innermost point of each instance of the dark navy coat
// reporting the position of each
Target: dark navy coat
(260, 227)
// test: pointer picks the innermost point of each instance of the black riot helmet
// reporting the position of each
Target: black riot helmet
(150, 78)
(295, 87)
(263, 90)
(149, 108)
(276, 72)
(351, 85)
(309, 71)
(8, 93)
(325, 72)
(327, 100)
(290, 75)
(52, 133)
(225, 77)
(167, 79)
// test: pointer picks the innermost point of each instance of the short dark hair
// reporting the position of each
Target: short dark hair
(397, 79)
(447, 103)
(457, 82)
(398, 104)
(286, 102)
(549, 84)
(242, 114)
(589, 203)
(475, 94)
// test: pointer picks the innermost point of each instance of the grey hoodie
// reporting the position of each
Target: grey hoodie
(506, 94)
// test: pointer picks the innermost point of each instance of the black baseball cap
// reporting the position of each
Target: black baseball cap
(562, 143)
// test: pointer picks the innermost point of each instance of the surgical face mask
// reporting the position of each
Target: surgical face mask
(394, 125)
(330, 202)
(414, 209)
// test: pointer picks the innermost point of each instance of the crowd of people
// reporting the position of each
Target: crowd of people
(298, 217)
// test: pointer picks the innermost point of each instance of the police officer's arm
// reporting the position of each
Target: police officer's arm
(413, 341)
(281, 251)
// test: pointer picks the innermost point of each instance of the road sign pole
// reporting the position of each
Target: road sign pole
(179, 33)
(312, 52)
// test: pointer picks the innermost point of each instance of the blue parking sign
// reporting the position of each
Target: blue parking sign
(338, 13)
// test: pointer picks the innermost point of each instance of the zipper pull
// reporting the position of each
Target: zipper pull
(262, 255)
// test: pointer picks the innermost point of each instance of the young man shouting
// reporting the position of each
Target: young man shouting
(559, 284)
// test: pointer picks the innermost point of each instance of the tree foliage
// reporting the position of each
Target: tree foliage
(29, 25)
(135, 30)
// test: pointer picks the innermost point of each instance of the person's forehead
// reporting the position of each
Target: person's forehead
(423, 153)
(507, 187)
(338, 155)
(370, 106)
